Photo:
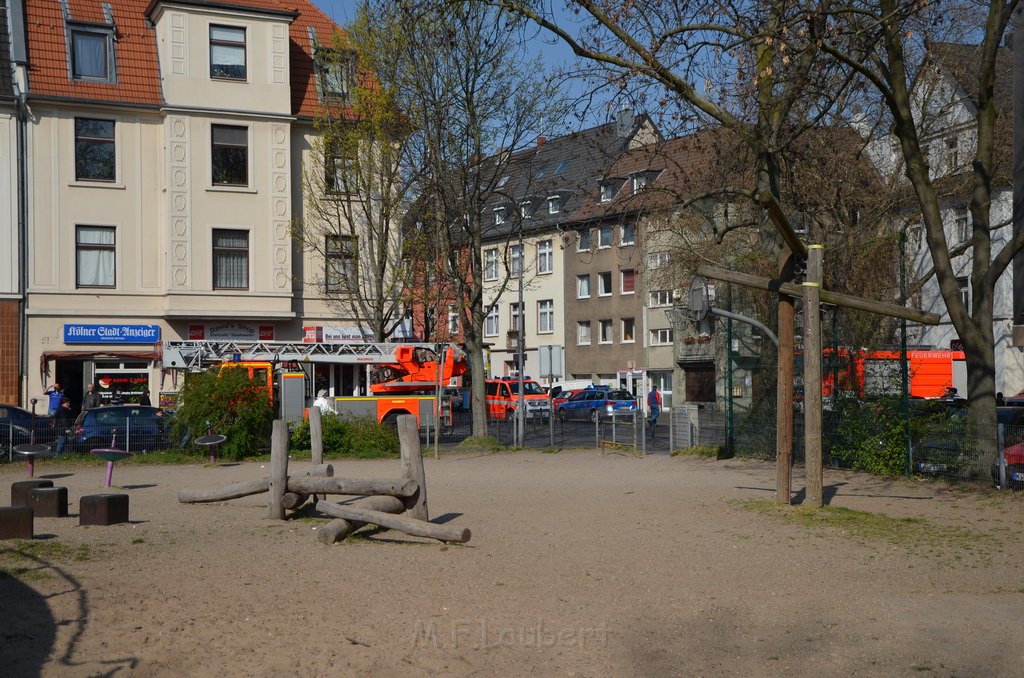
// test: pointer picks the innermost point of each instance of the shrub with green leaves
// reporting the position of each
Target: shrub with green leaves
(350, 436)
(229, 403)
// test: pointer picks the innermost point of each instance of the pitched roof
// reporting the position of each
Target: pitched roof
(960, 61)
(6, 86)
(136, 60)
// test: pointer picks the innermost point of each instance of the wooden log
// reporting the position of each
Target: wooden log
(416, 528)
(395, 488)
(278, 469)
(316, 434)
(339, 528)
(412, 465)
(245, 489)
(293, 500)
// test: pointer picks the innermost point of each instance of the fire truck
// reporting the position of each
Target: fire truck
(871, 373)
(404, 378)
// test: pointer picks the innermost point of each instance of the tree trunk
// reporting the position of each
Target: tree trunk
(395, 488)
(339, 528)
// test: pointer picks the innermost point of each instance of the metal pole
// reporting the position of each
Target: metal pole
(521, 346)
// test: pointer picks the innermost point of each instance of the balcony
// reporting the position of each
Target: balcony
(695, 349)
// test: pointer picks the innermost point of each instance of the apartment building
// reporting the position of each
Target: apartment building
(163, 172)
(11, 43)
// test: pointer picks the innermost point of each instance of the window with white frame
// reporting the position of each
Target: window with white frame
(515, 317)
(491, 264)
(526, 209)
(545, 316)
(660, 298)
(453, 320)
(230, 259)
(661, 337)
(340, 261)
(628, 235)
(95, 252)
(515, 260)
(554, 204)
(583, 286)
(499, 215)
(628, 281)
(583, 333)
(628, 330)
(95, 156)
(92, 53)
(605, 328)
(965, 291)
(607, 191)
(491, 322)
(604, 236)
(230, 155)
(962, 227)
(583, 244)
(227, 52)
(604, 284)
(545, 257)
(639, 182)
(657, 259)
(952, 152)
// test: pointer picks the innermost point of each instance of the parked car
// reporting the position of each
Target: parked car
(593, 403)
(135, 428)
(562, 396)
(945, 446)
(22, 420)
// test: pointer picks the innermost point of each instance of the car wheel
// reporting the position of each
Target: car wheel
(593, 416)
(563, 416)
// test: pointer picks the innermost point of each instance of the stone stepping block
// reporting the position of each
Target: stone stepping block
(15, 522)
(103, 509)
(48, 502)
(20, 490)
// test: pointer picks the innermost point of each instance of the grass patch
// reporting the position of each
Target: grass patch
(28, 560)
(711, 452)
(484, 443)
(915, 534)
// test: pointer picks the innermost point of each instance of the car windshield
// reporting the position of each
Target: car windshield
(529, 388)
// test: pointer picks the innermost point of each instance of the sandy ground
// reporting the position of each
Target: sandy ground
(580, 564)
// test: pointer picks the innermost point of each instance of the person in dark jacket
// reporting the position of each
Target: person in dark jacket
(92, 398)
(62, 422)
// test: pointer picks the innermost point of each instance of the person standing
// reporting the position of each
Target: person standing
(92, 399)
(323, 402)
(653, 407)
(62, 422)
(144, 399)
(56, 394)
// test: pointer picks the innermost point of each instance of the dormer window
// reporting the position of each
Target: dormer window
(526, 209)
(607, 192)
(335, 75)
(554, 204)
(639, 182)
(499, 216)
(227, 52)
(92, 54)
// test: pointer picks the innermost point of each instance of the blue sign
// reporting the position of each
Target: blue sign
(111, 334)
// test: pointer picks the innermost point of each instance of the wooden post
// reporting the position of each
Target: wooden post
(784, 390)
(812, 376)
(278, 469)
(412, 464)
(316, 434)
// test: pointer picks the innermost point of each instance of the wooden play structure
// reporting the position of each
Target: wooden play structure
(368, 502)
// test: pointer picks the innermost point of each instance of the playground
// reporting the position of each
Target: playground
(581, 563)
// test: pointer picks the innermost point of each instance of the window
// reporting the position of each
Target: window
(606, 332)
(657, 259)
(541, 172)
(604, 236)
(583, 286)
(628, 281)
(662, 337)
(491, 264)
(562, 166)
(545, 257)
(340, 261)
(607, 192)
(335, 74)
(94, 256)
(340, 170)
(92, 54)
(94, 150)
(515, 260)
(554, 204)
(491, 322)
(227, 52)
(453, 320)
(499, 215)
(604, 284)
(230, 259)
(628, 235)
(952, 153)
(639, 182)
(230, 155)
(962, 226)
(965, 291)
(526, 209)
(660, 298)
(545, 316)
(502, 181)
(583, 333)
(515, 313)
(628, 330)
(583, 244)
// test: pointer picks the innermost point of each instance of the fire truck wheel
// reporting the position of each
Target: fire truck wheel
(510, 414)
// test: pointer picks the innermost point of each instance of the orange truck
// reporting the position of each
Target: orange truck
(502, 397)
(869, 373)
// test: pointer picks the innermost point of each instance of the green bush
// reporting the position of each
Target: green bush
(228, 403)
(350, 436)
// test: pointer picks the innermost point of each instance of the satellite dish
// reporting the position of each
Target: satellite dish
(700, 305)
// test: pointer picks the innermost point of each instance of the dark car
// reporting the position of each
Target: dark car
(593, 403)
(944, 445)
(135, 428)
(15, 420)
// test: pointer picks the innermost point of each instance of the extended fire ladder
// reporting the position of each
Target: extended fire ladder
(195, 355)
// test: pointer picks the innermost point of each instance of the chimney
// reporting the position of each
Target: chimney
(540, 142)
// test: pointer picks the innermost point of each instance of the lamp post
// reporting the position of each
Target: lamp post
(521, 347)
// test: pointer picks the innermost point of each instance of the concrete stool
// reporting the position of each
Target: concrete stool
(103, 509)
(20, 489)
(49, 502)
(15, 522)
